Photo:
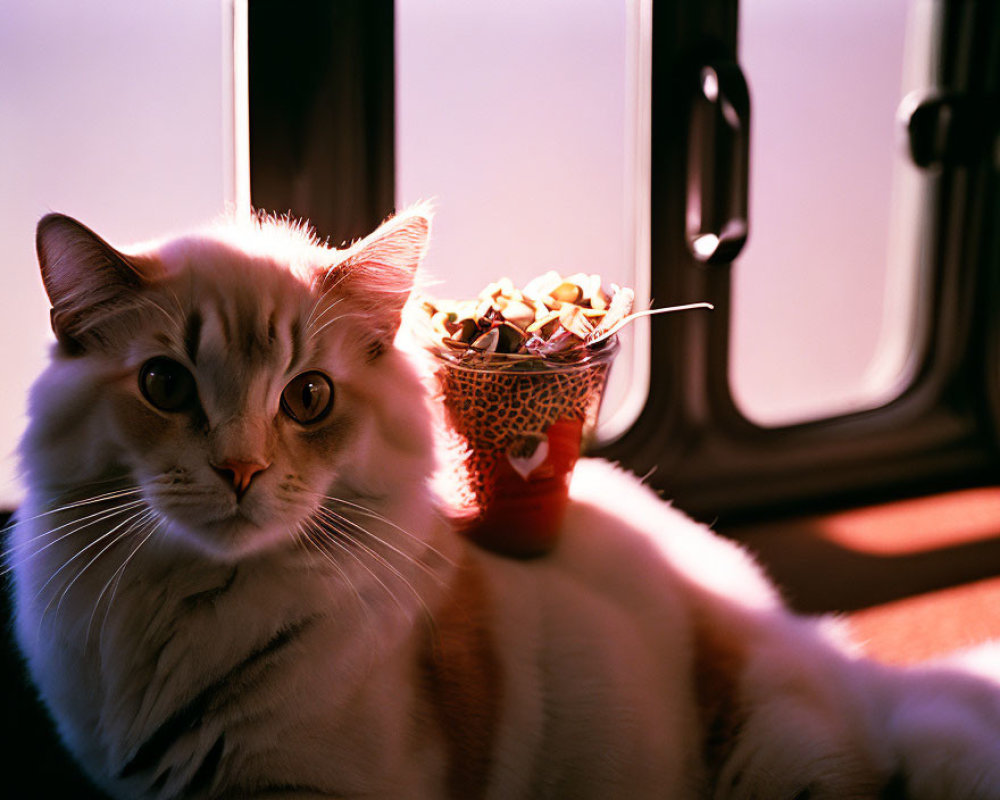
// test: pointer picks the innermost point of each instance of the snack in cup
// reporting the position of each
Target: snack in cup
(521, 373)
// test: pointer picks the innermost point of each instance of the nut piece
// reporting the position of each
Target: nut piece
(574, 319)
(517, 312)
(488, 342)
(567, 292)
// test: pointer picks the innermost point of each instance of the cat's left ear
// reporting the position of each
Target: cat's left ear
(376, 276)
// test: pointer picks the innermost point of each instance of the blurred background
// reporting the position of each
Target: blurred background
(825, 173)
(119, 114)
(529, 126)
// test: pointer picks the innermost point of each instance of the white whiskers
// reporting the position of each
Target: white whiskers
(313, 333)
(326, 535)
(117, 534)
(388, 565)
(99, 524)
(152, 525)
(314, 318)
(78, 525)
(372, 514)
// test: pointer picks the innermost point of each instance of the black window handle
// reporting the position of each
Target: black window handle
(718, 164)
(951, 129)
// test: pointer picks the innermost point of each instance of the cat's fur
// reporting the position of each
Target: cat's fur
(328, 635)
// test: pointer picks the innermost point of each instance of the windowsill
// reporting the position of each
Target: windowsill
(917, 578)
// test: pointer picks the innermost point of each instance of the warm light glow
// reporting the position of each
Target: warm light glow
(918, 525)
(131, 151)
(241, 110)
(545, 165)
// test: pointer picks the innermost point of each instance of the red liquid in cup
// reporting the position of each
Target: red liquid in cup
(516, 438)
(521, 515)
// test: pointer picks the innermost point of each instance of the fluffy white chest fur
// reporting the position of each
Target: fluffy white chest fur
(232, 580)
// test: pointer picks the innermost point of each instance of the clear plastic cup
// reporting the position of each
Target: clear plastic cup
(517, 425)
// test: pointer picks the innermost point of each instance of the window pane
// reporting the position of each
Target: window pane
(527, 123)
(117, 113)
(826, 314)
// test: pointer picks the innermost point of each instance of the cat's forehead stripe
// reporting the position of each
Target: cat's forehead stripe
(244, 324)
(295, 334)
(256, 318)
(192, 335)
(253, 326)
(221, 316)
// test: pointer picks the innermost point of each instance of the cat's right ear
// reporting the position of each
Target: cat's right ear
(86, 279)
(376, 276)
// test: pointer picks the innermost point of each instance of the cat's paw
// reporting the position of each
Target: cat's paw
(804, 757)
(853, 729)
(945, 732)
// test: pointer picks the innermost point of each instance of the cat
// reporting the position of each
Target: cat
(233, 578)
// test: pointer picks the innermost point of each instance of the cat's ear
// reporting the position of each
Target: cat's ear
(376, 277)
(87, 280)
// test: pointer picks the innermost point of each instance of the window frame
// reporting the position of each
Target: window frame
(940, 431)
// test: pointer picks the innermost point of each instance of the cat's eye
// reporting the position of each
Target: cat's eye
(166, 384)
(308, 398)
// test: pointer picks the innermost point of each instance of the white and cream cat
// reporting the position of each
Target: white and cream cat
(232, 578)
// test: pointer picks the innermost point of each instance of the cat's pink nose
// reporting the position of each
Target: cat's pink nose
(239, 473)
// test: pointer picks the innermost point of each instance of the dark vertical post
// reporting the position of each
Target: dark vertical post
(322, 98)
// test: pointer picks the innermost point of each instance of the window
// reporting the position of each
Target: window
(529, 128)
(119, 114)
(828, 295)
